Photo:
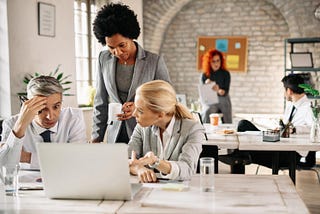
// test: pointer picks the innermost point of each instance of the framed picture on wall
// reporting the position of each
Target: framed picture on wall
(46, 19)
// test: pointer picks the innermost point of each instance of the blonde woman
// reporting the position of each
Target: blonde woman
(166, 140)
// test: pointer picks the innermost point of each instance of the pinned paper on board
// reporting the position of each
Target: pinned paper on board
(232, 61)
(222, 45)
(234, 49)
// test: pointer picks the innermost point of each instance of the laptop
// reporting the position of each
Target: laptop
(85, 171)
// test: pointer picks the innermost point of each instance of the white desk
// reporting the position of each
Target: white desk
(222, 141)
(233, 194)
(35, 202)
(217, 141)
(292, 144)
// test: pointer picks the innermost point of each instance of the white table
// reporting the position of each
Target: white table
(35, 202)
(217, 140)
(232, 194)
(291, 145)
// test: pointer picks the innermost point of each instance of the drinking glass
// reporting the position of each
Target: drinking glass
(207, 174)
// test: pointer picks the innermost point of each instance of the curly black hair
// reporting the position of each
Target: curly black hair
(113, 19)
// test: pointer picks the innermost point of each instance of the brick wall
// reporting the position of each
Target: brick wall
(171, 28)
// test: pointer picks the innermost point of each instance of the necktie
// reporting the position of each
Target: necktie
(46, 136)
(291, 114)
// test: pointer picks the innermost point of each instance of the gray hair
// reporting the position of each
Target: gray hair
(43, 86)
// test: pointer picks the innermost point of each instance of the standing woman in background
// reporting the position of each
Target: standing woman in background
(213, 66)
(121, 69)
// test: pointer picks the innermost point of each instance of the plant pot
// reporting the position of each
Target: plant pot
(315, 131)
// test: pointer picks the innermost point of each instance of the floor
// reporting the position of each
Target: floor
(307, 183)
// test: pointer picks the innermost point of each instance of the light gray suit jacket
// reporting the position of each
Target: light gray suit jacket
(148, 67)
(184, 147)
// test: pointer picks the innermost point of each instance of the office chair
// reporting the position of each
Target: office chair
(197, 117)
(207, 150)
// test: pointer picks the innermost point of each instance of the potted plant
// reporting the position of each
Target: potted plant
(315, 128)
(56, 73)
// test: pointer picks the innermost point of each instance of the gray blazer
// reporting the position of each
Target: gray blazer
(148, 67)
(184, 147)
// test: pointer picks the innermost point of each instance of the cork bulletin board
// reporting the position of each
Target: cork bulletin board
(234, 49)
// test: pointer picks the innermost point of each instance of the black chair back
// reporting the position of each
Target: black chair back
(1, 129)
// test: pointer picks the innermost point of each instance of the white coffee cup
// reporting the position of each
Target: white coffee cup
(113, 110)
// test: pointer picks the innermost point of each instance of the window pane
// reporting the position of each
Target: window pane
(82, 69)
(85, 74)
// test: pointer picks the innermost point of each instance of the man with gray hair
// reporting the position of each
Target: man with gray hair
(41, 119)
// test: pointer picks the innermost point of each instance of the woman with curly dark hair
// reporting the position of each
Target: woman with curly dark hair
(214, 70)
(121, 69)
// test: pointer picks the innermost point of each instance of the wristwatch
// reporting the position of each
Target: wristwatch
(155, 164)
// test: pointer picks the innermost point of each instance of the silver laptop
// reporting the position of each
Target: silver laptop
(85, 171)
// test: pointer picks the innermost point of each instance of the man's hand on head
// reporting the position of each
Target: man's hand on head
(28, 111)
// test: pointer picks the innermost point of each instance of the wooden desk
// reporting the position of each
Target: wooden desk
(291, 145)
(232, 194)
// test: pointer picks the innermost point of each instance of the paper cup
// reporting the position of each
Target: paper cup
(113, 110)
(214, 119)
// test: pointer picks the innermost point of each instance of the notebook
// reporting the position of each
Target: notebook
(86, 171)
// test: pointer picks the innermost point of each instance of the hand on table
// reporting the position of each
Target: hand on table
(137, 167)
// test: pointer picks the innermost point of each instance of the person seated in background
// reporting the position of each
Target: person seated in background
(41, 119)
(214, 70)
(166, 139)
(298, 112)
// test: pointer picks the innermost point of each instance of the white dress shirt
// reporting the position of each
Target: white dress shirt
(302, 115)
(163, 145)
(69, 128)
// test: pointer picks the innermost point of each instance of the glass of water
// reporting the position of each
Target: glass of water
(206, 174)
(10, 179)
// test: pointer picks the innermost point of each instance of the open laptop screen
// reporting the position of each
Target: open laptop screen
(85, 171)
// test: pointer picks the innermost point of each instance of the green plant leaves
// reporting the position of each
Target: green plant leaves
(58, 75)
(309, 90)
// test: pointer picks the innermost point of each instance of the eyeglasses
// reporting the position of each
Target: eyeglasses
(215, 61)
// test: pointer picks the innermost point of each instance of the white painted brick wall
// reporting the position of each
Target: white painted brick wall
(266, 23)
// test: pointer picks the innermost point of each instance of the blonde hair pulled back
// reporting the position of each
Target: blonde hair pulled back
(160, 96)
